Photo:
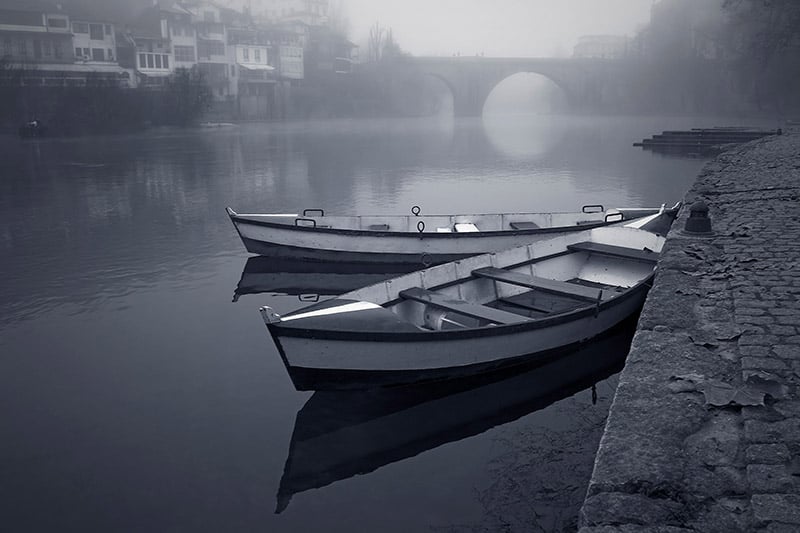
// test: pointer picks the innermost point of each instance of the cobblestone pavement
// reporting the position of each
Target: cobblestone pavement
(704, 431)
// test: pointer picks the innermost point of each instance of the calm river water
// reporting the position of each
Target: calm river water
(135, 395)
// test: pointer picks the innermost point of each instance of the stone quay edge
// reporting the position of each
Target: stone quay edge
(704, 430)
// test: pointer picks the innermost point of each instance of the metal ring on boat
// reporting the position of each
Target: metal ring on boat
(420, 226)
(425, 259)
(415, 210)
(593, 208)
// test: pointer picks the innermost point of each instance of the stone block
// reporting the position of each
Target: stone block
(716, 443)
(787, 351)
(758, 431)
(610, 508)
(715, 482)
(630, 528)
(776, 508)
(723, 515)
(788, 408)
(758, 340)
(768, 454)
(755, 351)
(763, 363)
(775, 527)
(771, 478)
(782, 329)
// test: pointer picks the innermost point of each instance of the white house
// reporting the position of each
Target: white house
(94, 41)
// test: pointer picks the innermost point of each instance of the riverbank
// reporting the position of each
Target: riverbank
(704, 431)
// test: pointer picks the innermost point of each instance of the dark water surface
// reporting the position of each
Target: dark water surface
(136, 396)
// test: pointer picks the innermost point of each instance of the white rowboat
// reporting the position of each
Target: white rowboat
(472, 315)
(413, 239)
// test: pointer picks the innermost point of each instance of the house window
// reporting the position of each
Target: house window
(57, 23)
(246, 54)
(258, 55)
(96, 32)
(98, 54)
(22, 47)
(57, 50)
(47, 48)
(86, 53)
(7, 47)
(80, 27)
(211, 48)
(78, 52)
(152, 61)
(184, 53)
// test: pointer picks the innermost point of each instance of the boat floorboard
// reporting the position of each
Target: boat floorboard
(539, 304)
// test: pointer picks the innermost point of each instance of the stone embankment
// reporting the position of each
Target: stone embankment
(704, 431)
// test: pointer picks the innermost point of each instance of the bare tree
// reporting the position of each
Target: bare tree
(390, 46)
(375, 42)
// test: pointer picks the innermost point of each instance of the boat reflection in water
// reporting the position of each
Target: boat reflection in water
(295, 277)
(340, 434)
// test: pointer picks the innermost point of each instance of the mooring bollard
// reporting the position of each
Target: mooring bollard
(698, 222)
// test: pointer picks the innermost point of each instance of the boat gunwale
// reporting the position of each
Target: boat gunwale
(237, 219)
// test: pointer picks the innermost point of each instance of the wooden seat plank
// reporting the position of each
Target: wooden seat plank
(543, 284)
(524, 225)
(616, 251)
(478, 311)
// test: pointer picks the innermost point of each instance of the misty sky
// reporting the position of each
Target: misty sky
(497, 27)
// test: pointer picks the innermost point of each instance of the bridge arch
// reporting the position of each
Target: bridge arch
(471, 80)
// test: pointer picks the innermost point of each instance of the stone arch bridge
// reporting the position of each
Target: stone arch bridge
(587, 83)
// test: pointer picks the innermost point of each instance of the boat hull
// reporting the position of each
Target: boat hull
(328, 244)
(318, 360)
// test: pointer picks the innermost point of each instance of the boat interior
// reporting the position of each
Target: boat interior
(514, 286)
